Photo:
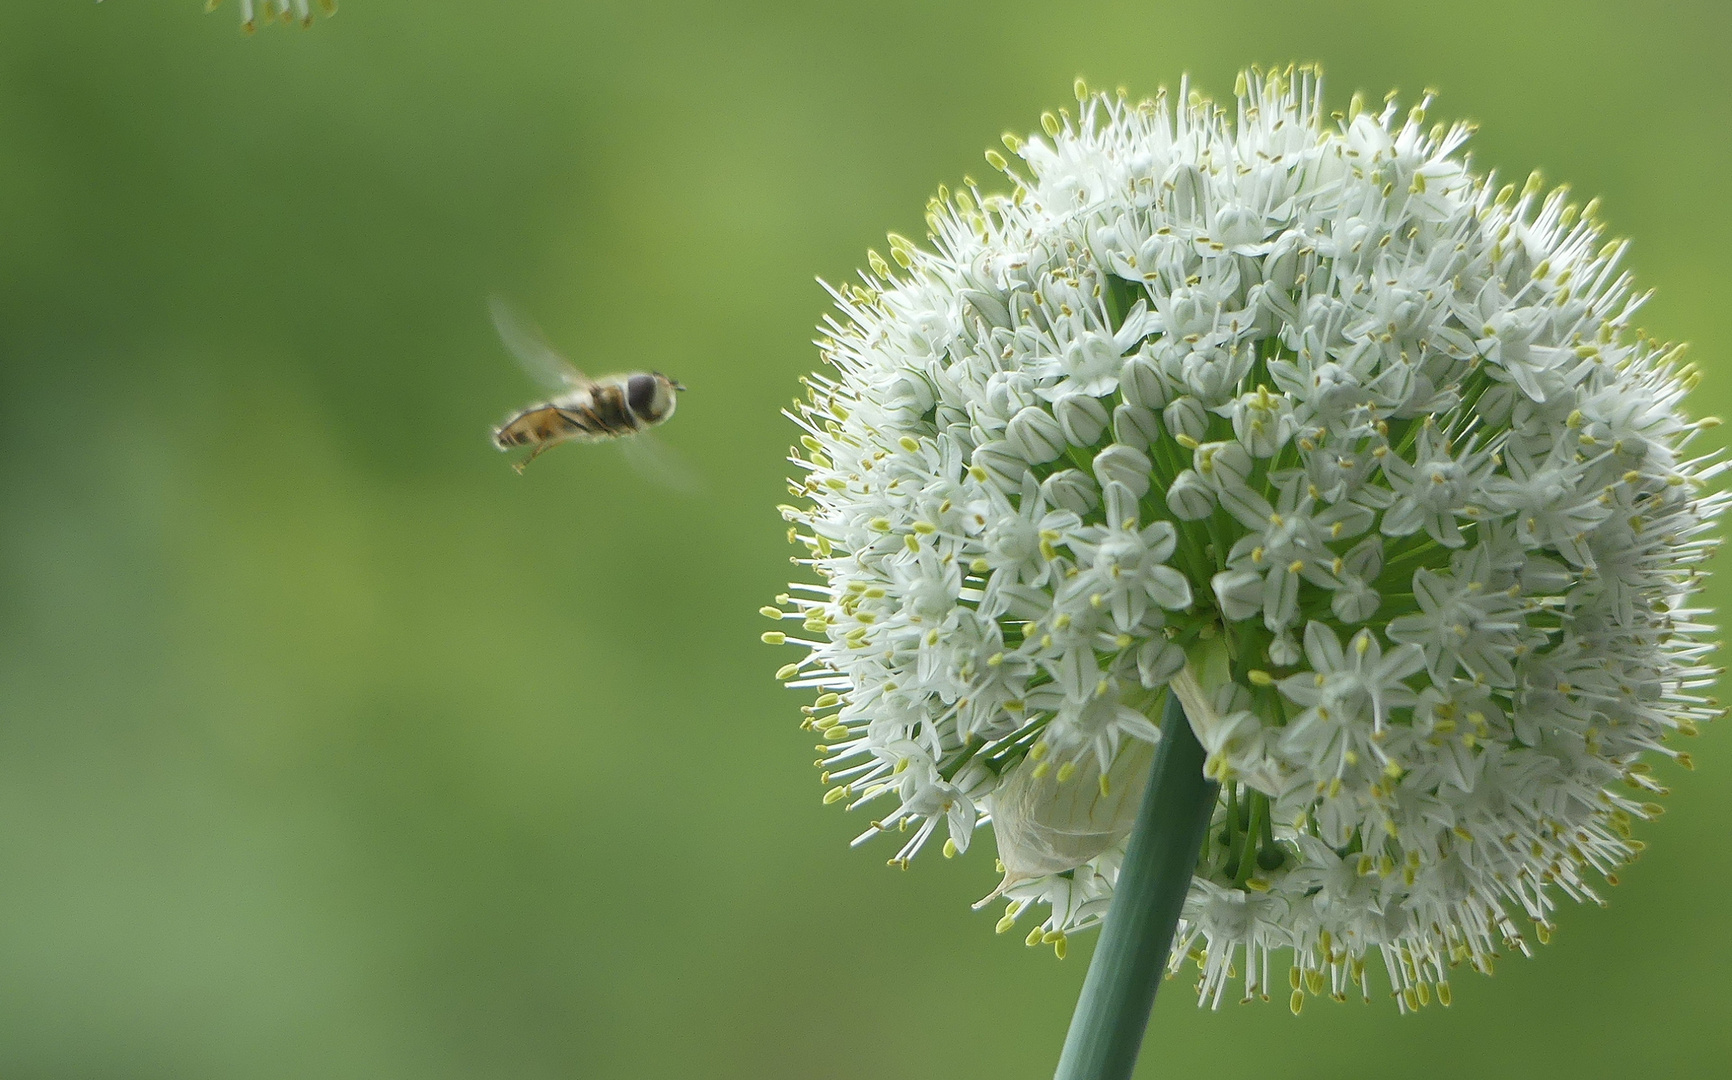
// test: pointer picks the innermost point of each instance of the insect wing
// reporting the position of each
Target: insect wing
(660, 463)
(532, 351)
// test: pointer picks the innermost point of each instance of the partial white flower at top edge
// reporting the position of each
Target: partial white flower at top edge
(271, 11)
(1291, 412)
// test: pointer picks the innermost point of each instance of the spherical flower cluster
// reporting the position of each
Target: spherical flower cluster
(284, 11)
(1292, 415)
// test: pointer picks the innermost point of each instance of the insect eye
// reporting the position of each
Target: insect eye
(640, 394)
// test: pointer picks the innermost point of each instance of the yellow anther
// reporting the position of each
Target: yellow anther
(835, 794)
(1066, 771)
(1259, 677)
(774, 637)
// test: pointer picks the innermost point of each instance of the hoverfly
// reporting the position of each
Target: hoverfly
(586, 410)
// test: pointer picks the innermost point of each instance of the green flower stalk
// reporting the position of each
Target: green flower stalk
(1291, 416)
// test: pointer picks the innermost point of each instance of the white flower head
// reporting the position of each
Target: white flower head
(272, 11)
(1300, 419)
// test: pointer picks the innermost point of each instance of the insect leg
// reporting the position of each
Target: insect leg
(533, 454)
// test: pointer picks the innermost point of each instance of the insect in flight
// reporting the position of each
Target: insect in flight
(585, 409)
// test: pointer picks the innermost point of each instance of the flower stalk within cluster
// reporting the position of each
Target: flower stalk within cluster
(1292, 415)
(283, 11)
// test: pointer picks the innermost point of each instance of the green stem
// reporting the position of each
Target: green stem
(1253, 834)
(1119, 990)
(1235, 835)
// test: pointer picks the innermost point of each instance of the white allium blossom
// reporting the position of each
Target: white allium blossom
(284, 11)
(1293, 415)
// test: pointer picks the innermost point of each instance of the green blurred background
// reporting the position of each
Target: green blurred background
(331, 748)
